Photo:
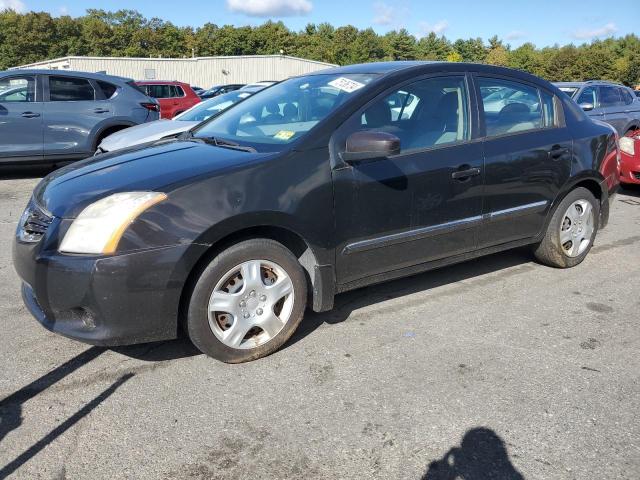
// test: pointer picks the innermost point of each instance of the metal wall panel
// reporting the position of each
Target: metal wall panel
(203, 72)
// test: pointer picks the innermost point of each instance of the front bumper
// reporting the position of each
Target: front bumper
(116, 300)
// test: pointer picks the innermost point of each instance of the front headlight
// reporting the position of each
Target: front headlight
(628, 145)
(99, 227)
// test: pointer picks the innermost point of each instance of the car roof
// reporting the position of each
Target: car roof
(64, 73)
(159, 82)
(385, 69)
(587, 82)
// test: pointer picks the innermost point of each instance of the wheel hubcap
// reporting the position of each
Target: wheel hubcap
(251, 304)
(576, 230)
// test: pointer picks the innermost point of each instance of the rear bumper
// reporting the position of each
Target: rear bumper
(630, 167)
(117, 300)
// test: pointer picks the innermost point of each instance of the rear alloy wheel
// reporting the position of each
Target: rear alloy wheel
(571, 231)
(247, 302)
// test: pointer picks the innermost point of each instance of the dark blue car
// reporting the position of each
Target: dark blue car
(320, 184)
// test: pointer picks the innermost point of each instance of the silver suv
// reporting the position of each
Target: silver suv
(611, 102)
(50, 115)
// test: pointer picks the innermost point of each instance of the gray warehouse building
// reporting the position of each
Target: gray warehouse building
(200, 71)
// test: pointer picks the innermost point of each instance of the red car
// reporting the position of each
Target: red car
(630, 158)
(174, 97)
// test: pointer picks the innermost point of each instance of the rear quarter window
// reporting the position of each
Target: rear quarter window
(108, 89)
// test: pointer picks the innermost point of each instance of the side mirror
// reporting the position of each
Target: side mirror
(587, 107)
(368, 145)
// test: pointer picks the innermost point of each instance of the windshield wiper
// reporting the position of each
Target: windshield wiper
(218, 142)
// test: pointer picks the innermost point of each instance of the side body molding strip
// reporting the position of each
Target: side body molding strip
(440, 229)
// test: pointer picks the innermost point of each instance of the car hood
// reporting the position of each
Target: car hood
(162, 167)
(144, 133)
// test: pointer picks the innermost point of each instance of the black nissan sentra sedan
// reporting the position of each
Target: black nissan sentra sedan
(320, 184)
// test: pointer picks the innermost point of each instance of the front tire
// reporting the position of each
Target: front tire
(571, 231)
(247, 302)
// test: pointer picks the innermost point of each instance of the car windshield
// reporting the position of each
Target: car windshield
(284, 112)
(207, 109)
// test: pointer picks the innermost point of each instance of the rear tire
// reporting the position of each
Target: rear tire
(247, 302)
(571, 231)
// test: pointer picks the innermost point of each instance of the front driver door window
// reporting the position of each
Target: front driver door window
(418, 205)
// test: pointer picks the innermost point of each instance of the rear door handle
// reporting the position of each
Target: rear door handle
(101, 110)
(30, 114)
(465, 174)
(556, 152)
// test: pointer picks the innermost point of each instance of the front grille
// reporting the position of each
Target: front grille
(33, 223)
(636, 174)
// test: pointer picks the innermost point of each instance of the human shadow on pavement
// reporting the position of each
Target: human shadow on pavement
(11, 406)
(482, 455)
(29, 453)
(347, 302)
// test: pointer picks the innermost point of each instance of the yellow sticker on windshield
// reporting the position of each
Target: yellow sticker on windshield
(284, 134)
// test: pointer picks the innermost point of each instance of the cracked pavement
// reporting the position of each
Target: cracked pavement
(498, 368)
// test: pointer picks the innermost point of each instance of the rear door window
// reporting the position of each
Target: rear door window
(161, 91)
(513, 107)
(610, 97)
(70, 89)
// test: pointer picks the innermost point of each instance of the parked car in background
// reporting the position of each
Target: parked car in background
(174, 97)
(150, 132)
(630, 158)
(306, 189)
(61, 116)
(613, 103)
(197, 90)
(220, 90)
(263, 84)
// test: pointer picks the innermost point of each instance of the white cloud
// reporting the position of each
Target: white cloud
(270, 8)
(384, 14)
(586, 34)
(515, 35)
(17, 5)
(63, 10)
(425, 28)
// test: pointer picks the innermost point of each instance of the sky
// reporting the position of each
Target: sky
(543, 22)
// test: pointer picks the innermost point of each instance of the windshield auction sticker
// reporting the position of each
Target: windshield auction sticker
(346, 85)
(284, 135)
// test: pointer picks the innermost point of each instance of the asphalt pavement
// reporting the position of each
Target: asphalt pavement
(499, 368)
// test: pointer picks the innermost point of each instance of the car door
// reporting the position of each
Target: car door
(73, 109)
(527, 153)
(421, 204)
(20, 117)
(614, 107)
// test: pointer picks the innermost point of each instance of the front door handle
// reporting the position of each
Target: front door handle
(465, 174)
(30, 114)
(101, 110)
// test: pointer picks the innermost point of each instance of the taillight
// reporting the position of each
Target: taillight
(153, 107)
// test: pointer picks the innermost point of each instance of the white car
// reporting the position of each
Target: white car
(153, 131)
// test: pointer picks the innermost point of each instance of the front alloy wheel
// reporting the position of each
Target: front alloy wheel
(247, 301)
(251, 304)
